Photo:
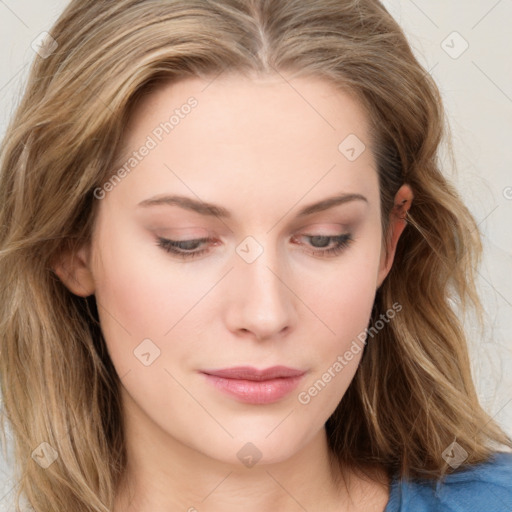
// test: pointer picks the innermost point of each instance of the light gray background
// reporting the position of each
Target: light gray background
(477, 89)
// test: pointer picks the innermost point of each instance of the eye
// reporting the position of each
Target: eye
(337, 243)
(323, 245)
(184, 248)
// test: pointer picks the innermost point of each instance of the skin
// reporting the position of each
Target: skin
(263, 150)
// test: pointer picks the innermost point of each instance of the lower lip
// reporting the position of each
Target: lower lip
(255, 392)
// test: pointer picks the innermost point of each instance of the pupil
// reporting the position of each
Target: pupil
(319, 239)
(189, 244)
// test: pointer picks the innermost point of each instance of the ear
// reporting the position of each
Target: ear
(73, 269)
(397, 223)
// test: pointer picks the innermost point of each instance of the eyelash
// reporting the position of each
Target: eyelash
(170, 246)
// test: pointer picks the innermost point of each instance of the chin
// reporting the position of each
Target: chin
(260, 446)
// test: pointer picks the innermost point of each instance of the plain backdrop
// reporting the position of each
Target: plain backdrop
(467, 47)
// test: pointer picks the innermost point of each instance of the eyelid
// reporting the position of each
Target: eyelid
(189, 232)
(314, 229)
(341, 242)
(330, 228)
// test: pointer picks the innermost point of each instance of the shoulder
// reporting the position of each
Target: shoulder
(486, 487)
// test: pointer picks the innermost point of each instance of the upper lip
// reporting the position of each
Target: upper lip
(250, 373)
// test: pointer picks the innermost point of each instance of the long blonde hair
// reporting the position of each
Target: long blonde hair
(413, 393)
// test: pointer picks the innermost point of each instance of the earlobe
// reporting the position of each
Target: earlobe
(73, 269)
(397, 223)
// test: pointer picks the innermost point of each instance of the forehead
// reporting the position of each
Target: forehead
(256, 138)
(270, 102)
(263, 110)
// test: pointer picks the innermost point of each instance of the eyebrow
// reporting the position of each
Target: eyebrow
(210, 209)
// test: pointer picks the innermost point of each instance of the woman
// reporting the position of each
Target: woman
(233, 271)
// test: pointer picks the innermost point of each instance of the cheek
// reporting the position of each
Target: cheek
(139, 295)
(346, 313)
(344, 303)
(345, 297)
(345, 306)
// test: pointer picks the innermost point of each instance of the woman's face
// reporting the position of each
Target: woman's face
(275, 177)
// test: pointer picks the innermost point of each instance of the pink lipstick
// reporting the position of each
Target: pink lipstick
(253, 386)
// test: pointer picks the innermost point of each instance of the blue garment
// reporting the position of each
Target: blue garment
(486, 487)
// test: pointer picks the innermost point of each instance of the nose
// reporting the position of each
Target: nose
(261, 301)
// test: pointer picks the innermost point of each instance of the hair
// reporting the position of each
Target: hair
(413, 393)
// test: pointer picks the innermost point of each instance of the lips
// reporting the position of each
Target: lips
(250, 373)
(250, 385)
